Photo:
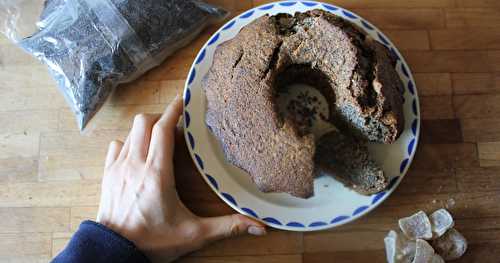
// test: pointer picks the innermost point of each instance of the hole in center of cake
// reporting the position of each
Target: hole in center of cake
(303, 96)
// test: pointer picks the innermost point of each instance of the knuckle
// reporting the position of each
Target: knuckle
(157, 172)
(201, 236)
(152, 184)
(152, 168)
(194, 232)
(127, 176)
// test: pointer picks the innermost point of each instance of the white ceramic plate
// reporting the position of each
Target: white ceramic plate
(332, 204)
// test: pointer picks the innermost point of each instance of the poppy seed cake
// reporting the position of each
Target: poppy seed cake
(354, 72)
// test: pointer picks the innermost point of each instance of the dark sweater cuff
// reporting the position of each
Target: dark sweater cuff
(96, 243)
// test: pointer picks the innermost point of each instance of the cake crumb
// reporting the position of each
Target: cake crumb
(450, 203)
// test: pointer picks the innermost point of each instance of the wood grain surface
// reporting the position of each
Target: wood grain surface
(50, 173)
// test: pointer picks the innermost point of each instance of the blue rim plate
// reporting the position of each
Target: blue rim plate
(332, 204)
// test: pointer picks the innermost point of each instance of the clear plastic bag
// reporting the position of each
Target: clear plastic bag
(92, 46)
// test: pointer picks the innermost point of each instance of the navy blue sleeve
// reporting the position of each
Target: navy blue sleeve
(96, 243)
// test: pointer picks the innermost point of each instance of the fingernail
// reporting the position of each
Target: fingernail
(256, 231)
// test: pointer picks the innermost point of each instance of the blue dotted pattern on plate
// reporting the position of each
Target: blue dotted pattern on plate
(338, 218)
(228, 26)
(295, 224)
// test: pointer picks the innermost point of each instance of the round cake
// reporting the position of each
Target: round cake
(355, 73)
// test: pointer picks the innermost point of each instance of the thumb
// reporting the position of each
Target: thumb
(217, 228)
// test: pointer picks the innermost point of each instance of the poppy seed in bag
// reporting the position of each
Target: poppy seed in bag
(92, 46)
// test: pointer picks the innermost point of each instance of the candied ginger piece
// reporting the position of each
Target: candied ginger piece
(399, 249)
(390, 246)
(423, 252)
(417, 226)
(437, 259)
(441, 221)
(452, 245)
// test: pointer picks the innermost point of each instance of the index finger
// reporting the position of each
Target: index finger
(162, 144)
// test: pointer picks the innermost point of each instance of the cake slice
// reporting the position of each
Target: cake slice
(348, 160)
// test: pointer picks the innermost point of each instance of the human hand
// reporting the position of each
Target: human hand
(139, 199)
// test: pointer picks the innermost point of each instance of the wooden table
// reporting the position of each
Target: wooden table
(50, 173)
